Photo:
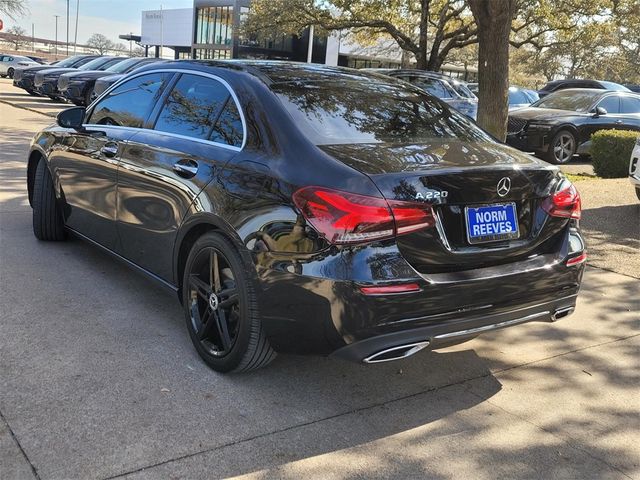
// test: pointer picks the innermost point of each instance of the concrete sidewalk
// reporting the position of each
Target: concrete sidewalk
(98, 379)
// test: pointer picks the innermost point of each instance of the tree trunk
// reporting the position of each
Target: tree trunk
(493, 18)
(421, 57)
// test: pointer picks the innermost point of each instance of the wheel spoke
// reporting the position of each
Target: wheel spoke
(208, 324)
(200, 287)
(223, 329)
(215, 271)
(232, 300)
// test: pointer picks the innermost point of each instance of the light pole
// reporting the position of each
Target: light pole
(75, 38)
(67, 28)
(56, 36)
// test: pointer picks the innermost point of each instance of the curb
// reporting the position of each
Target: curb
(29, 109)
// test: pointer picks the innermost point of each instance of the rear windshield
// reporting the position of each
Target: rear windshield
(372, 111)
(574, 100)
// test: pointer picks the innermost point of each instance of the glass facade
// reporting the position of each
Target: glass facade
(214, 26)
(212, 53)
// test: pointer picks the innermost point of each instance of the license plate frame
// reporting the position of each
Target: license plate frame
(498, 237)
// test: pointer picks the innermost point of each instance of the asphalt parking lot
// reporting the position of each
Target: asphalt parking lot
(98, 378)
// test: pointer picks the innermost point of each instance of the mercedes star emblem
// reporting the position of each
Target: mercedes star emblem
(504, 186)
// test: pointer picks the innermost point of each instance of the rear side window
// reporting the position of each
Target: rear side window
(129, 104)
(192, 107)
(611, 104)
(228, 128)
(630, 105)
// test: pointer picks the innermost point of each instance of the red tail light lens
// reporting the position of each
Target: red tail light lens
(564, 203)
(343, 217)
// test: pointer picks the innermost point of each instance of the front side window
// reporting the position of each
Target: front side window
(192, 107)
(610, 104)
(129, 104)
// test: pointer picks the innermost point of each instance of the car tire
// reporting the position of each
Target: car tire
(32, 93)
(221, 310)
(10, 73)
(562, 148)
(638, 193)
(48, 223)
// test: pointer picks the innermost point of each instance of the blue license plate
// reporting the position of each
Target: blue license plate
(491, 223)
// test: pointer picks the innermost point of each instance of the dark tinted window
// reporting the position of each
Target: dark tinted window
(129, 104)
(610, 104)
(192, 107)
(228, 128)
(82, 61)
(630, 105)
(574, 100)
(435, 87)
(372, 111)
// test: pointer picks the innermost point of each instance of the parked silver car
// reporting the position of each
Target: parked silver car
(9, 63)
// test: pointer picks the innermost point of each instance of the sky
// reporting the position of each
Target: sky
(109, 17)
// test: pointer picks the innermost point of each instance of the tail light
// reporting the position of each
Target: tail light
(343, 217)
(564, 203)
(577, 260)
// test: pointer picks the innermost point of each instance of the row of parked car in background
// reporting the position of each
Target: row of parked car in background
(555, 123)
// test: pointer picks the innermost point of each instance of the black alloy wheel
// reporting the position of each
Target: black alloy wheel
(220, 308)
(10, 73)
(562, 147)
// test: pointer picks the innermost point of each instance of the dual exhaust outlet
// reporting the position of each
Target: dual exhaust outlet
(409, 349)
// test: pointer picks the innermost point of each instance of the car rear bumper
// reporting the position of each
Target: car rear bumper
(397, 345)
(316, 305)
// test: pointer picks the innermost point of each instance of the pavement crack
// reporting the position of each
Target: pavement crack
(366, 408)
(15, 439)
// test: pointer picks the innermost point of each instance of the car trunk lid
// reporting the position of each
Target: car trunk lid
(455, 177)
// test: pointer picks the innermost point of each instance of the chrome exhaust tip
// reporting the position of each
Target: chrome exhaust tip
(396, 353)
(561, 313)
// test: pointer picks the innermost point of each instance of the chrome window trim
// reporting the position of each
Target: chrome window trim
(175, 135)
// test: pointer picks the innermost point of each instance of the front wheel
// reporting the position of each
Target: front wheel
(10, 73)
(221, 308)
(562, 148)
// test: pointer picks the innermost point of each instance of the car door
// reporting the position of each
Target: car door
(194, 131)
(4, 64)
(85, 164)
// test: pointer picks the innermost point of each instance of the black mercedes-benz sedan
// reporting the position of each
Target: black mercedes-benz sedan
(561, 124)
(310, 209)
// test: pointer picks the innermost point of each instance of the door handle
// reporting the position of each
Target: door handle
(618, 121)
(186, 168)
(109, 150)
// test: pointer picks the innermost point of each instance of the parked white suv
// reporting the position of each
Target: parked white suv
(9, 63)
(634, 167)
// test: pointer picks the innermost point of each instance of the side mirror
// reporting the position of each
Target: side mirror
(71, 118)
(600, 111)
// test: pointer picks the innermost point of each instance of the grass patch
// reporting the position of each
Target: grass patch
(577, 177)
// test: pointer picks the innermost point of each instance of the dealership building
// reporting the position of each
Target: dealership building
(211, 30)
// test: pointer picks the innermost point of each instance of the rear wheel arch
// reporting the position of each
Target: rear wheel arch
(190, 231)
(32, 165)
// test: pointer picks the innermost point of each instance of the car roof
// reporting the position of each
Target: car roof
(271, 71)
